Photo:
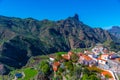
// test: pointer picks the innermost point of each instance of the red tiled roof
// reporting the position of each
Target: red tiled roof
(56, 65)
(107, 73)
(66, 56)
(103, 55)
(70, 53)
(55, 68)
(118, 59)
(87, 57)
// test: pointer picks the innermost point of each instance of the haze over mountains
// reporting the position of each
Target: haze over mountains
(22, 38)
(115, 30)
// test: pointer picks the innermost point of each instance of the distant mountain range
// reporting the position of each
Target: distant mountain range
(115, 30)
(22, 38)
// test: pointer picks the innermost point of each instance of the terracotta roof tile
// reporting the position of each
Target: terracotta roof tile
(56, 65)
(66, 56)
(87, 57)
(106, 73)
(70, 53)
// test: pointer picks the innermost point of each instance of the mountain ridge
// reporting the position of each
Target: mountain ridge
(115, 30)
(21, 39)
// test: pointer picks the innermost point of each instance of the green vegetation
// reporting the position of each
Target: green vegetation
(44, 67)
(2, 41)
(60, 53)
(81, 50)
(118, 76)
(108, 76)
(94, 77)
(77, 72)
(85, 77)
(42, 57)
(90, 74)
(94, 69)
(74, 58)
(29, 73)
(78, 50)
(69, 66)
(112, 45)
(3, 77)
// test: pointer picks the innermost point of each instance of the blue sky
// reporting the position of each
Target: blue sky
(95, 13)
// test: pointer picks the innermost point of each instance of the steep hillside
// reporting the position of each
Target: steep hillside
(115, 30)
(22, 38)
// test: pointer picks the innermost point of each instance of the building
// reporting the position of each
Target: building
(113, 56)
(18, 75)
(104, 56)
(86, 60)
(55, 66)
(114, 65)
(102, 61)
(67, 56)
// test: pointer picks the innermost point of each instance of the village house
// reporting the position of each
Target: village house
(104, 56)
(87, 52)
(96, 51)
(51, 57)
(86, 60)
(113, 56)
(102, 61)
(99, 49)
(56, 65)
(18, 75)
(67, 56)
(114, 65)
(95, 56)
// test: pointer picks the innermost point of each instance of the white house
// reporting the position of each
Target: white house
(104, 56)
(102, 61)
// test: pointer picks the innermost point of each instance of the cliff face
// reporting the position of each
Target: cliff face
(115, 30)
(22, 38)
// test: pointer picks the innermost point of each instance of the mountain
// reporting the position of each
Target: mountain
(115, 30)
(21, 39)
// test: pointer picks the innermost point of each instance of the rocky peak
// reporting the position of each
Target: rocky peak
(76, 16)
